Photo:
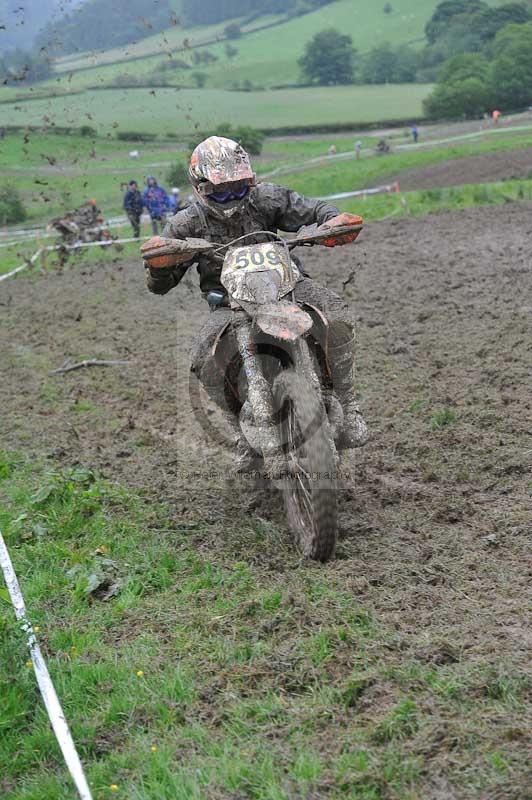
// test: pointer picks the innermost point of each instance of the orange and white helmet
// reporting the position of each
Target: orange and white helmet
(221, 175)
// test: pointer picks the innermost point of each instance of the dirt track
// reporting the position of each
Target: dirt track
(483, 168)
(435, 520)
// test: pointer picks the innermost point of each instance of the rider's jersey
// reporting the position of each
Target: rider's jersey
(270, 208)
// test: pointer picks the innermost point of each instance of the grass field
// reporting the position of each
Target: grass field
(330, 177)
(159, 44)
(185, 111)
(171, 687)
(86, 168)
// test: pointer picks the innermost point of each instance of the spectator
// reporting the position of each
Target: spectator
(155, 200)
(495, 114)
(175, 200)
(332, 150)
(358, 149)
(415, 133)
(133, 205)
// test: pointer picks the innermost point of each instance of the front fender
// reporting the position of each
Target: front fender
(283, 320)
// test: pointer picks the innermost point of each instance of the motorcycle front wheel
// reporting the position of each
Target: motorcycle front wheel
(309, 484)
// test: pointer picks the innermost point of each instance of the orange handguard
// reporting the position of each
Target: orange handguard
(154, 259)
(162, 252)
(342, 221)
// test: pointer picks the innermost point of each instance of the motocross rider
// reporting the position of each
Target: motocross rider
(230, 203)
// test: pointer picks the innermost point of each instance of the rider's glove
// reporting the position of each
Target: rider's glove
(342, 221)
(161, 253)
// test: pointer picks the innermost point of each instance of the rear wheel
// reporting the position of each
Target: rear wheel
(309, 487)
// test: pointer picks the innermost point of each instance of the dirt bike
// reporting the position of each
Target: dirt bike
(382, 148)
(288, 411)
(74, 231)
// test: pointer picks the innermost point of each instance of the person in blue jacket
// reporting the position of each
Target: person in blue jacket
(155, 200)
(133, 206)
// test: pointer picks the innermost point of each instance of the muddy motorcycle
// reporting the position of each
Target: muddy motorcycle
(288, 412)
(75, 232)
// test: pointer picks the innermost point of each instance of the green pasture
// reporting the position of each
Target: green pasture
(335, 176)
(206, 676)
(160, 44)
(185, 111)
(84, 168)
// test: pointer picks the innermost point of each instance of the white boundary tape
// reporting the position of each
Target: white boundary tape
(26, 264)
(392, 187)
(49, 695)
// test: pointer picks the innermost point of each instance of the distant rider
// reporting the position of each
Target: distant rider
(229, 203)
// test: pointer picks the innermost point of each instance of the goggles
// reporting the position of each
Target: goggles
(227, 195)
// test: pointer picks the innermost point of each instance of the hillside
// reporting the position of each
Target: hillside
(266, 58)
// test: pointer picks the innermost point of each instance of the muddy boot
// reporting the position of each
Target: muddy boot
(354, 432)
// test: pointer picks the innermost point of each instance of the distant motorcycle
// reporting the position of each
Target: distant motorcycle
(84, 224)
(383, 148)
(288, 414)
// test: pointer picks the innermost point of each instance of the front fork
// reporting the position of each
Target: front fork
(260, 391)
(259, 396)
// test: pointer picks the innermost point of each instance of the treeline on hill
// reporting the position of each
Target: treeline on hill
(484, 58)
(208, 12)
(21, 67)
(100, 24)
(480, 57)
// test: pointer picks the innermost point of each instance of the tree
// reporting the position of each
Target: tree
(99, 24)
(230, 50)
(233, 31)
(463, 89)
(444, 13)
(511, 70)
(329, 58)
(468, 98)
(492, 20)
(460, 68)
(177, 175)
(19, 66)
(200, 79)
(251, 139)
(11, 206)
(387, 64)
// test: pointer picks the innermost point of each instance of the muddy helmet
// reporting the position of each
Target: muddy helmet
(221, 176)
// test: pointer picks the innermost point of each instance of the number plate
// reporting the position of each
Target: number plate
(261, 258)
(257, 256)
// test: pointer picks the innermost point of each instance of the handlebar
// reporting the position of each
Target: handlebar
(160, 251)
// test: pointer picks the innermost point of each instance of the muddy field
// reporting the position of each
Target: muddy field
(482, 168)
(436, 511)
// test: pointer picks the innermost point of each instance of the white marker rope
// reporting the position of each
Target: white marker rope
(51, 701)
(26, 264)
(392, 187)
